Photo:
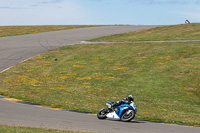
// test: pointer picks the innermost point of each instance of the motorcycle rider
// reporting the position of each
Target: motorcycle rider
(127, 100)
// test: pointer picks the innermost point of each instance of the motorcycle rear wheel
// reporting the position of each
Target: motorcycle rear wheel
(128, 117)
(102, 114)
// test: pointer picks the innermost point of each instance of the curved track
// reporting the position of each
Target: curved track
(19, 48)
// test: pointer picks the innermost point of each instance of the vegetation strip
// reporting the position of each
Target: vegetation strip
(15, 129)
(165, 33)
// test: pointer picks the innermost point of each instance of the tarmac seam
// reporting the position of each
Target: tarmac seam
(86, 42)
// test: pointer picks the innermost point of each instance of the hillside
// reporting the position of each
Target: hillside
(163, 77)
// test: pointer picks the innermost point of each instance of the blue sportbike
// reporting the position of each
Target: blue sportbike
(123, 112)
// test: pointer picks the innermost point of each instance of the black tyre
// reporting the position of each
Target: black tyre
(128, 116)
(102, 114)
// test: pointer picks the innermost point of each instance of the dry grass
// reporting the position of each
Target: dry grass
(174, 32)
(14, 129)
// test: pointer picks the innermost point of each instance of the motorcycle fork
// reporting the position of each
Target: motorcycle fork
(128, 111)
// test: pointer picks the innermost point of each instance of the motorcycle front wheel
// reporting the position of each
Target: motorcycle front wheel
(102, 114)
(128, 116)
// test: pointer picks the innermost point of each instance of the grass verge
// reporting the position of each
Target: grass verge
(163, 77)
(174, 32)
(12, 129)
(21, 30)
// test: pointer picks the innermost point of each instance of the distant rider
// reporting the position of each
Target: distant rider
(187, 21)
(127, 100)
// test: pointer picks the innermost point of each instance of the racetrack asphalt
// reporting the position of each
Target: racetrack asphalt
(16, 49)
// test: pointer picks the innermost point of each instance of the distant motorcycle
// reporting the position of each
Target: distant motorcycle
(123, 112)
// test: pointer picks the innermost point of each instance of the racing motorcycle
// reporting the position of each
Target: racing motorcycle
(123, 112)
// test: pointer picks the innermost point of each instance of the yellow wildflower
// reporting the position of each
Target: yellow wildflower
(86, 83)
(122, 68)
(84, 78)
(63, 77)
(77, 66)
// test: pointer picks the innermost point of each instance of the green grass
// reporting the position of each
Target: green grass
(21, 30)
(12, 129)
(163, 77)
(174, 32)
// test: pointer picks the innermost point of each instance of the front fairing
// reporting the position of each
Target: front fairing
(134, 106)
(123, 108)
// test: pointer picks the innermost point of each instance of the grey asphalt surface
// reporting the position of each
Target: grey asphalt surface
(19, 48)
